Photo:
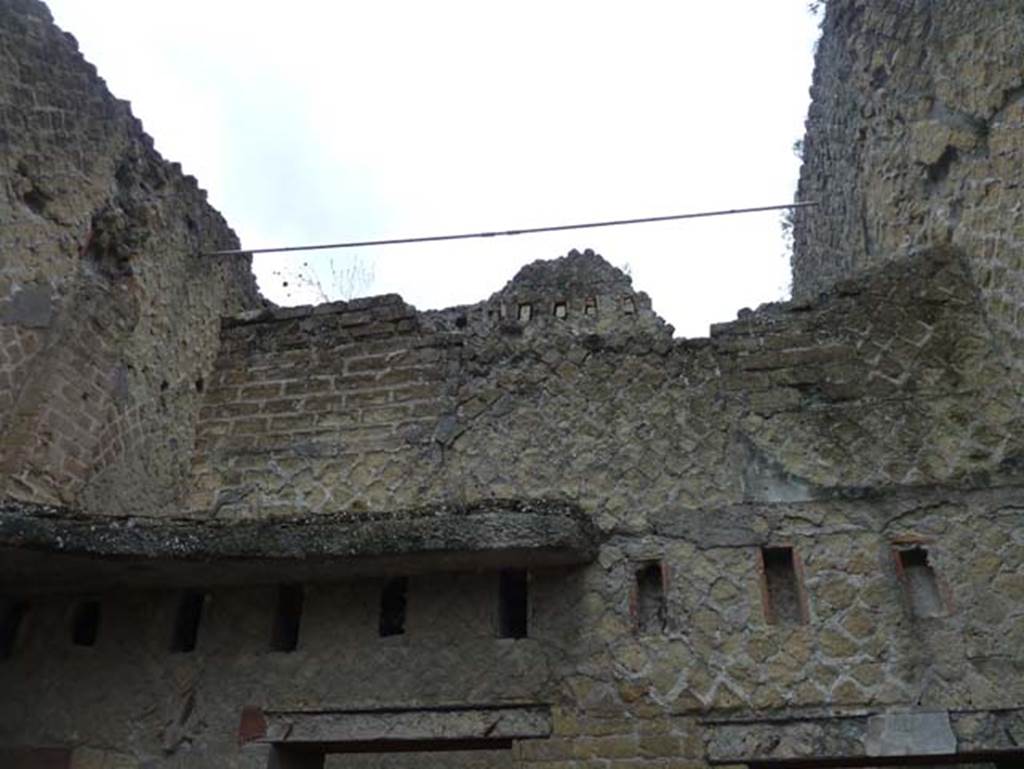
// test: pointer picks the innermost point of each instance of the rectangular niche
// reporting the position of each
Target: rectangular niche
(784, 598)
(393, 607)
(920, 583)
(186, 621)
(513, 603)
(287, 618)
(649, 605)
(85, 624)
(12, 618)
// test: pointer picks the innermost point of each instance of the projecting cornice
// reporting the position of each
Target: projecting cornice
(51, 548)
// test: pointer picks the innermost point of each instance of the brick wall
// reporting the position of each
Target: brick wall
(354, 384)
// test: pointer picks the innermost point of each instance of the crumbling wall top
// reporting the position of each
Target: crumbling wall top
(915, 140)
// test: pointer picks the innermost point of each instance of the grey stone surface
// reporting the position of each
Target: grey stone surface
(828, 739)
(50, 549)
(337, 728)
(910, 734)
(858, 738)
(30, 307)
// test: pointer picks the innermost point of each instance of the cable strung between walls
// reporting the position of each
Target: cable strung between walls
(502, 233)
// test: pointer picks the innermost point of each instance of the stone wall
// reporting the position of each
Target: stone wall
(871, 431)
(109, 317)
(891, 380)
(650, 695)
(369, 405)
(915, 139)
(804, 532)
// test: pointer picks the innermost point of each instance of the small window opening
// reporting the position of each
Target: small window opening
(920, 583)
(590, 306)
(186, 622)
(525, 311)
(561, 309)
(287, 618)
(85, 625)
(628, 305)
(513, 603)
(651, 612)
(392, 607)
(784, 601)
(10, 624)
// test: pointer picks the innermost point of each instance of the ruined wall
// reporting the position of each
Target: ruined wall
(373, 407)
(369, 405)
(872, 422)
(108, 316)
(876, 419)
(809, 518)
(915, 139)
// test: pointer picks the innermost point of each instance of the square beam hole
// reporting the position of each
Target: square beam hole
(287, 618)
(784, 597)
(85, 623)
(12, 619)
(393, 607)
(649, 606)
(186, 621)
(513, 603)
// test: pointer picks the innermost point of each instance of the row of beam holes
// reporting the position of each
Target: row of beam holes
(785, 600)
(561, 309)
(284, 633)
(513, 605)
(513, 610)
(785, 603)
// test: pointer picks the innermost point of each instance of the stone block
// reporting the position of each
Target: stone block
(909, 734)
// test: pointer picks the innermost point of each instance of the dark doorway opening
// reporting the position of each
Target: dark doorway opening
(397, 754)
(1001, 760)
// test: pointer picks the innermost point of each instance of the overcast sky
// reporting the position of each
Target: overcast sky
(315, 121)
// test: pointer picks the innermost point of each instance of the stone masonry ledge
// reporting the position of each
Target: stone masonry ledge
(863, 739)
(382, 307)
(357, 730)
(45, 549)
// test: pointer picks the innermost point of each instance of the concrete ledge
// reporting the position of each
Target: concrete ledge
(360, 728)
(373, 306)
(861, 740)
(45, 548)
